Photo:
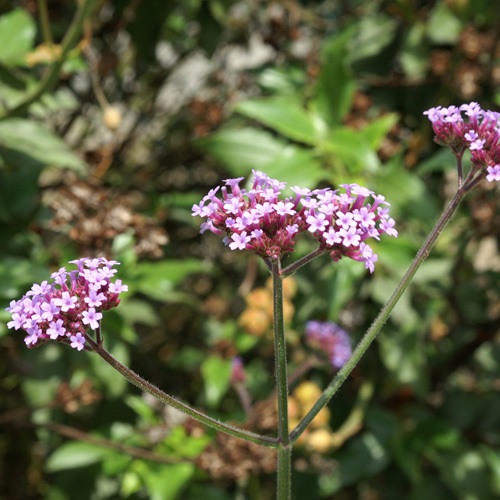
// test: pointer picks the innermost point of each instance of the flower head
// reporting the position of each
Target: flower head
(331, 339)
(469, 128)
(65, 309)
(260, 219)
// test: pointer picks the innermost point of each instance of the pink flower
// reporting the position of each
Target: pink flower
(61, 311)
(259, 220)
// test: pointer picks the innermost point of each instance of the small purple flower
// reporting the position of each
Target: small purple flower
(66, 301)
(117, 287)
(56, 329)
(17, 321)
(49, 309)
(41, 289)
(350, 237)
(91, 318)
(239, 241)
(477, 144)
(32, 338)
(95, 299)
(77, 341)
(317, 223)
(493, 173)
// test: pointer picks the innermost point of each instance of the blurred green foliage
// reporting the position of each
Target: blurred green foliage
(109, 137)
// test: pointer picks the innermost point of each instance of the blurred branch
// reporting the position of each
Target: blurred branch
(131, 451)
(45, 22)
(69, 42)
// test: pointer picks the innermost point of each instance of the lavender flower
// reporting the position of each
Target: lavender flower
(478, 131)
(65, 309)
(331, 339)
(261, 220)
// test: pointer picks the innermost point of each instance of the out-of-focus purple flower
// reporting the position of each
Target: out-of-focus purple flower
(469, 127)
(65, 309)
(331, 339)
(238, 374)
(260, 220)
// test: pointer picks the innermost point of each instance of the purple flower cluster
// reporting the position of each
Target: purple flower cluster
(65, 309)
(260, 220)
(331, 339)
(470, 127)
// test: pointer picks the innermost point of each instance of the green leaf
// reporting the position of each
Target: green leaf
(336, 83)
(296, 166)
(216, 374)
(351, 152)
(373, 34)
(467, 474)
(363, 457)
(142, 408)
(158, 279)
(443, 27)
(17, 34)
(376, 131)
(285, 115)
(74, 455)
(163, 482)
(414, 55)
(242, 149)
(35, 141)
(406, 192)
(492, 458)
(18, 274)
(139, 311)
(402, 352)
(282, 81)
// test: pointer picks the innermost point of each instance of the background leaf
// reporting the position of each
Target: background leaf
(17, 34)
(34, 140)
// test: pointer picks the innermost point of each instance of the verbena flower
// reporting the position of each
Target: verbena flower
(65, 309)
(260, 219)
(331, 339)
(469, 127)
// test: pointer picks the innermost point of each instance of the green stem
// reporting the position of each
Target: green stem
(285, 450)
(70, 40)
(382, 317)
(284, 486)
(294, 266)
(146, 386)
(45, 23)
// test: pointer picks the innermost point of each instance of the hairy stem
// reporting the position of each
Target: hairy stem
(281, 376)
(146, 386)
(382, 317)
(294, 266)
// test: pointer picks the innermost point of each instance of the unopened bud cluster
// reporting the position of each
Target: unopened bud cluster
(469, 127)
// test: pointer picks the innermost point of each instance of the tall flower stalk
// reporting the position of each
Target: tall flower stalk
(260, 219)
